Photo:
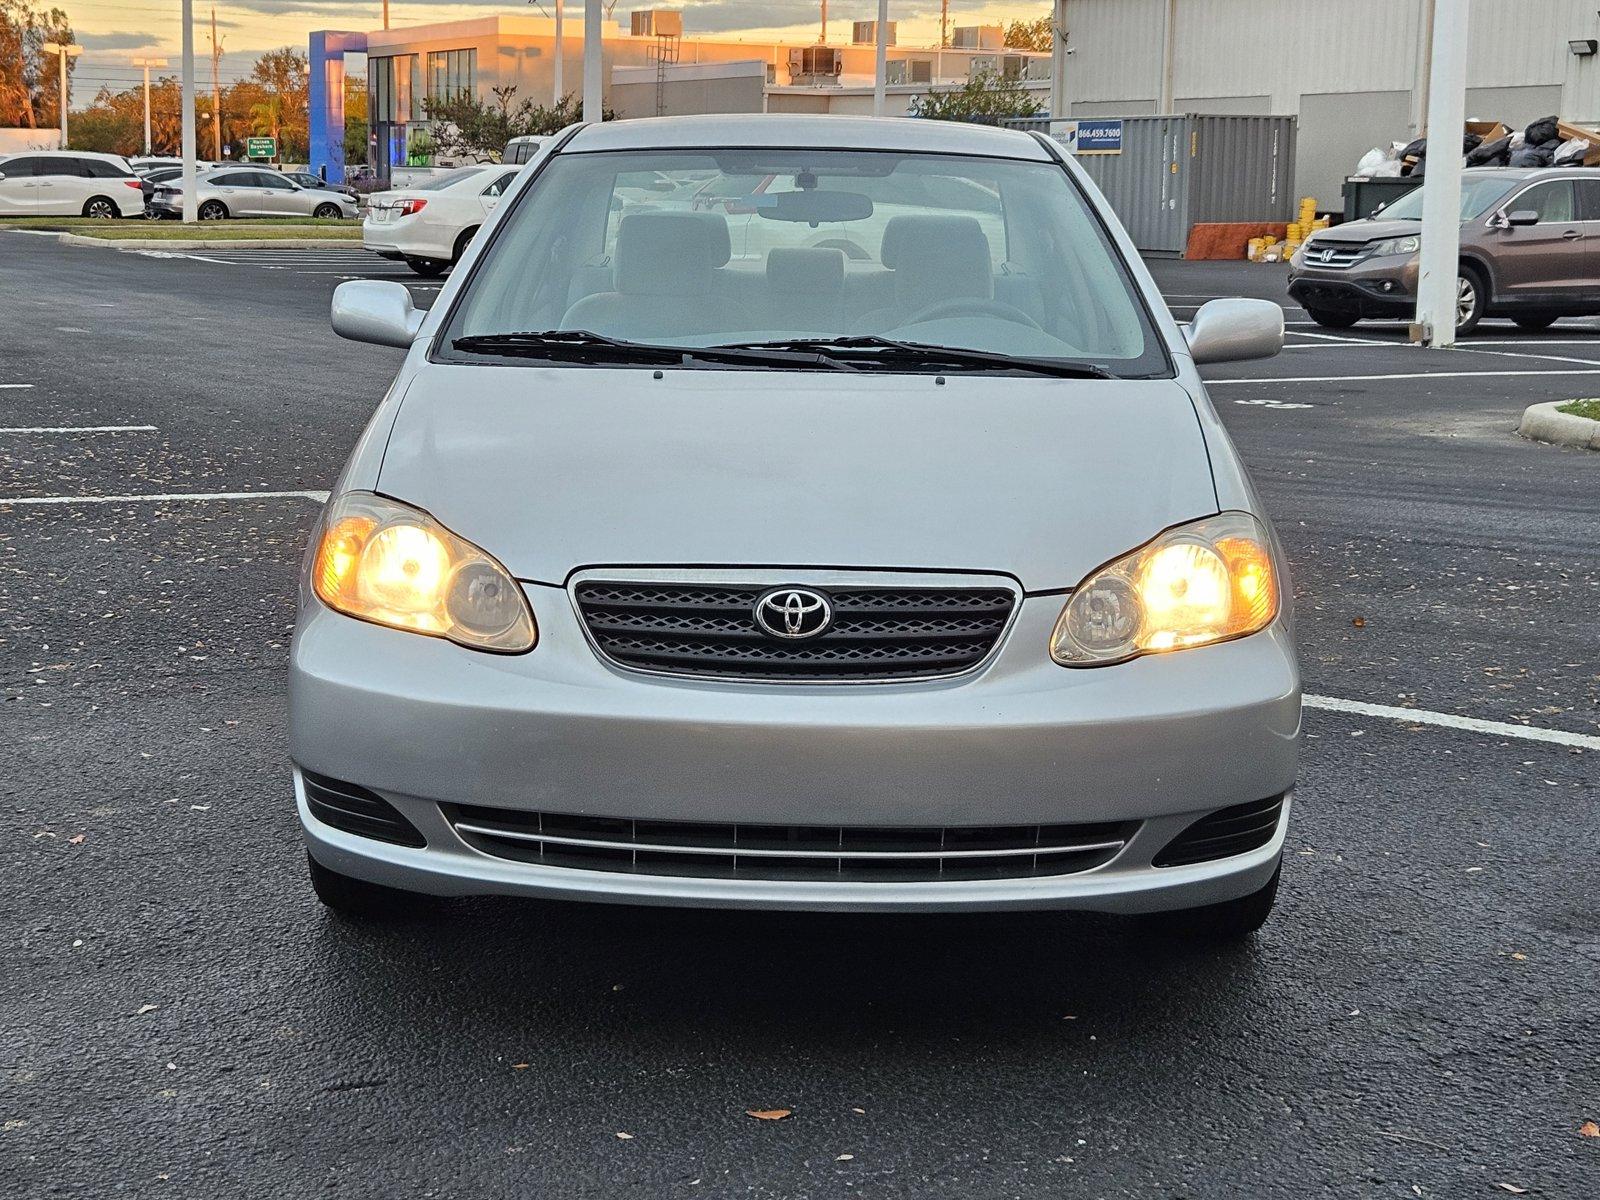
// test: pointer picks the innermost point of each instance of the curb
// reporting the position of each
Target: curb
(77, 239)
(1542, 423)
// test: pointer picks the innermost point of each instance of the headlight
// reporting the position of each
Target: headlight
(387, 562)
(1399, 245)
(1204, 582)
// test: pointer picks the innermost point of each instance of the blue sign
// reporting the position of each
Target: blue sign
(1098, 137)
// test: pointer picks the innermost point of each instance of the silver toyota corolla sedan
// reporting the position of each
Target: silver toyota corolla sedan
(798, 512)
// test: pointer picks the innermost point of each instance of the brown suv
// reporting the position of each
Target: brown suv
(1530, 250)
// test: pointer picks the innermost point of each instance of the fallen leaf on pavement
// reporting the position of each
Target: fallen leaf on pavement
(1589, 1129)
(626, 1137)
(1359, 622)
(145, 1008)
(519, 1066)
(1512, 1188)
(76, 839)
(1520, 957)
(767, 1114)
(845, 1158)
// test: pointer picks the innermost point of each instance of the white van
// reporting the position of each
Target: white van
(68, 183)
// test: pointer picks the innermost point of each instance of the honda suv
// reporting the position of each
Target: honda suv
(1530, 250)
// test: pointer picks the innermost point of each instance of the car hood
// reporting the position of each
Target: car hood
(1370, 231)
(552, 469)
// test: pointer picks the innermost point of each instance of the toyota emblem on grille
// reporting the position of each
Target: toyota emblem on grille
(793, 613)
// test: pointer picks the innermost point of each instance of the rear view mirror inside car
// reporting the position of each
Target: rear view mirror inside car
(812, 207)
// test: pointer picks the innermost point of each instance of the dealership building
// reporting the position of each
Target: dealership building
(650, 67)
(1348, 70)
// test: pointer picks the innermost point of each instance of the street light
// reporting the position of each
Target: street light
(147, 63)
(63, 51)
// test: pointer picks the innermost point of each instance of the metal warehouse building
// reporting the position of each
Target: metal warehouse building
(1348, 69)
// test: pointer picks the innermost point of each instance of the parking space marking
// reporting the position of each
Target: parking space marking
(16, 385)
(1536, 357)
(79, 429)
(1423, 716)
(1395, 375)
(319, 497)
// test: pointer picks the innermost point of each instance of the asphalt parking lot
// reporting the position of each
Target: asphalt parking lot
(178, 1016)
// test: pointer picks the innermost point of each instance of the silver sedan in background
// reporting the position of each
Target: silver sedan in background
(225, 192)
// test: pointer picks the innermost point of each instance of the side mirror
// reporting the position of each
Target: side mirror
(371, 310)
(1523, 216)
(1232, 330)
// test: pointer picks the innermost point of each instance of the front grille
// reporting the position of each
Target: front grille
(356, 810)
(788, 852)
(877, 632)
(1338, 255)
(1226, 832)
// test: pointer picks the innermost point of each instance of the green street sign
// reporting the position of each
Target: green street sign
(261, 147)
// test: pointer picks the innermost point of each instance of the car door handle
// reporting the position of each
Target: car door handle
(1572, 235)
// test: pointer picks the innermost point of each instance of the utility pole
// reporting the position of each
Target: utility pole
(1438, 294)
(560, 87)
(944, 23)
(63, 52)
(822, 38)
(189, 205)
(386, 14)
(1419, 84)
(147, 63)
(216, 89)
(880, 77)
(593, 102)
(1169, 44)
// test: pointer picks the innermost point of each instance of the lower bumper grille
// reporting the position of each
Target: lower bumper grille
(871, 632)
(356, 810)
(1226, 832)
(789, 852)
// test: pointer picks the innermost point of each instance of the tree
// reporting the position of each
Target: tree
(355, 121)
(1037, 34)
(466, 127)
(987, 98)
(282, 81)
(30, 78)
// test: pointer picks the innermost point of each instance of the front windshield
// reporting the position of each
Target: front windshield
(1476, 197)
(699, 250)
(440, 182)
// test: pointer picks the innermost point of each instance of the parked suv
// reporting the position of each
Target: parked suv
(1530, 250)
(57, 183)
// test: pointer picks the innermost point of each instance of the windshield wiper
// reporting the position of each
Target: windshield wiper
(579, 345)
(870, 348)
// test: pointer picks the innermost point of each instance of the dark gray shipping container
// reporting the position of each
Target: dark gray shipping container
(1178, 171)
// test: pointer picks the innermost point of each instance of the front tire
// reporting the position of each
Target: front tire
(213, 210)
(100, 208)
(358, 900)
(1333, 318)
(1535, 321)
(1230, 921)
(324, 212)
(1472, 297)
(428, 268)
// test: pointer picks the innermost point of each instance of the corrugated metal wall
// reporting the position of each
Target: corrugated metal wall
(1176, 171)
(1241, 168)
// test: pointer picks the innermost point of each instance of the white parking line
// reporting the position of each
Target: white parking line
(1210, 383)
(16, 385)
(1422, 716)
(319, 497)
(80, 429)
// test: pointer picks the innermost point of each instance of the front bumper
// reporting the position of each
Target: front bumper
(1383, 287)
(1161, 740)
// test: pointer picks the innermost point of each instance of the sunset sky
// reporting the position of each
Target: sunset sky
(114, 31)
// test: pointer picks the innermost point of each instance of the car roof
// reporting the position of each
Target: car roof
(1517, 174)
(788, 131)
(117, 158)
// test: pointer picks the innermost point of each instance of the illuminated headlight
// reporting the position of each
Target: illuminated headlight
(1208, 581)
(1399, 245)
(389, 563)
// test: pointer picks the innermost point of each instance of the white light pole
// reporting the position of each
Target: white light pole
(1437, 294)
(592, 101)
(560, 54)
(63, 52)
(147, 63)
(190, 208)
(881, 77)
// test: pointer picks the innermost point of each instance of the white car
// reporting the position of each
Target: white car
(60, 183)
(429, 225)
(250, 192)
